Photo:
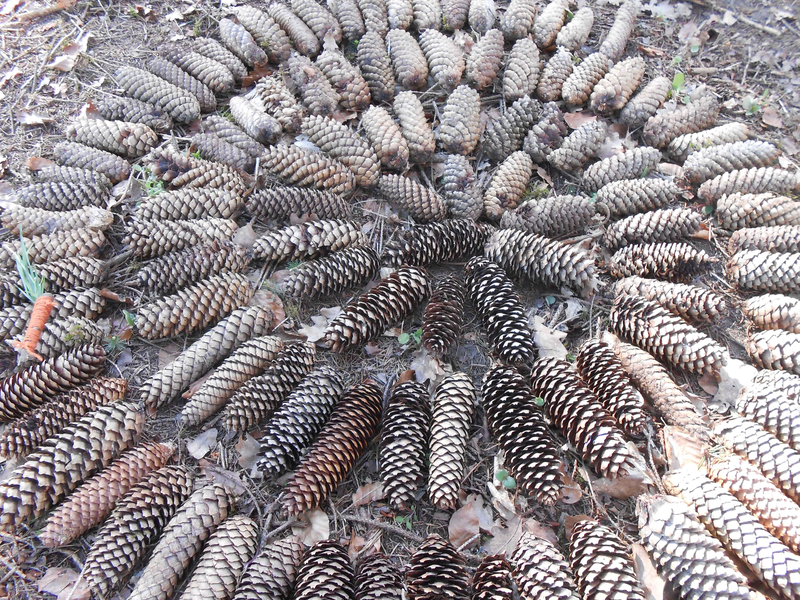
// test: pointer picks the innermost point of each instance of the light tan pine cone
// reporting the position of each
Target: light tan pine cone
(280, 203)
(55, 246)
(775, 349)
(574, 34)
(129, 140)
(549, 22)
(633, 164)
(461, 193)
(508, 185)
(632, 196)
(345, 78)
(436, 570)
(131, 110)
(684, 146)
(239, 41)
(386, 138)
(415, 127)
(505, 135)
(452, 240)
(616, 39)
(689, 302)
(343, 144)
(780, 238)
(614, 90)
(345, 269)
(700, 114)
(177, 103)
(399, 14)
(482, 15)
(522, 70)
(581, 146)
(483, 62)
(422, 203)
(271, 574)
(150, 239)
(271, 96)
(52, 172)
(773, 311)
(738, 210)
(454, 14)
(349, 16)
(580, 83)
(173, 74)
(189, 203)
(518, 19)
(410, 66)
(492, 579)
(376, 66)
(308, 240)
(258, 125)
(318, 94)
(555, 73)
(79, 156)
(233, 134)
(445, 59)
(554, 217)
(663, 225)
(460, 124)
(772, 410)
(546, 135)
(209, 62)
(750, 181)
(645, 104)
(304, 40)
(299, 166)
(266, 32)
(60, 196)
(540, 570)
(325, 572)
(441, 324)
(713, 161)
(756, 271)
(212, 147)
(318, 19)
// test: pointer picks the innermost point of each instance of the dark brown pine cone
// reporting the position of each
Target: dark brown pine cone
(580, 83)
(614, 90)
(633, 164)
(616, 39)
(239, 41)
(345, 77)
(483, 62)
(233, 134)
(646, 103)
(318, 19)
(272, 96)
(299, 166)
(549, 22)
(781, 238)
(631, 196)
(266, 32)
(756, 271)
(508, 185)
(115, 108)
(436, 570)
(441, 325)
(212, 64)
(129, 140)
(460, 124)
(574, 34)
(547, 134)
(260, 126)
(415, 127)
(345, 145)
(410, 66)
(173, 74)
(492, 579)
(271, 574)
(308, 240)
(663, 225)
(461, 193)
(318, 94)
(738, 210)
(212, 147)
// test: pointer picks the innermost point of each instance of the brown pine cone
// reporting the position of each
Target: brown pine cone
(461, 193)
(345, 269)
(546, 135)
(780, 238)
(376, 66)
(522, 70)
(756, 271)
(773, 311)
(663, 225)
(250, 360)
(273, 97)
(399, 14)
(349, 16)
(554, 217)
(498, 305)
(58, 245)
(325, 572)
(194, 308)
(131, 110)
(580, 83)
(460, 123)
(173, 74)
(318, 19)
(94, 500)
(549, 22)
(345, 145)
(386, 138)
(441, 325)
(645, 104)
(415, 127)
(574, 34)
(188, 203)
(775, 349)
(150, 239)
(345, 78)
(258, 125)
(78, 303)
(578, 413)
(555, 73)
(377, 578)
(404, 443)
(304, 40)
(603, 373)
(661, 129)
(233, 134)
(738, 210)
(773, 411)
(633, 164)
(266, 32)
(280, 203)
(540, 570)
(632, 196)
(298, 166)
(581, 146)
(308, 240)
(383, 306)
(445, 59)
(684, 146)
(685, 553)
(271, 574)
(177, 103)
(482, 15)
(60, 196)
(454, 14)
(508, 185)
(614, 90)
(422, 203)
(129, 140)
(453, 240)
(211, 147)
(72, 456)
(79, 156)
(436, 570)
(215, 72)
(483, 62)
(239, 41)
(713, 161)
(616, 39)
(504, 136)
(318, 94)
(519, 429)
(689, 302)
(410, 66)
(492, 579)
(518, 19)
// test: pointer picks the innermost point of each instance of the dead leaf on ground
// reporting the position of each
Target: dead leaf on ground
(370, 492)
(571, 520)
(356, 544)
(124, 359)
(330, 312)
(771, 117)
(708, 381)
(505, 539)
(202, 444)
(315, 332)
(372, 349)
(248, 448)
(318, 528)
(501, 499)
(25, 117)
(651, 52)
(683, 449)
(168, 353)
(9, 75)
(547, 340)
(468, 521)
(427, 367)
(788, 146)
(66, 61)
(245, 236)
(48, 10)
(9, 6)
(37, 163)
(733, 378)
(576, 119)
(273, 302)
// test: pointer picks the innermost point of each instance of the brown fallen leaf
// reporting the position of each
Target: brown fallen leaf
(196, 385)
(771, 117)
(9, 75)
(272, 301)
(651, 52)
(708, 381)
(245, 236)
(202, 444)
(167, 353)
(37, 163)
(248, 448)
(218, 474)
(48, 10)
(28, 118)
(355, 546)
(505, 539)
(370, 492)
(622, 488)
(64, 583)
(576, 119)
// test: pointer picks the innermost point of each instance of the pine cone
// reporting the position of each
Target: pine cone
(258, 398)
(602, 563)
(482, 15)
(83, 157)
(376, 66)
(504, 136)
(345, 78)
(578, 413)
(304, 40)
(410, 66)
(377, 578)
(555, 73)
(713, 161)
(689, 302)
(182, 106)
(779, 515)
(663, 225)
(404, 443)
(460, 125)
(580, 83)
(614, 90)
(522, 70)
(212, 147)
(616, 39)
(84, 303)
(574, 34)
(325, 573)
(72, 456)
(631, 165)
(756, 271)
(461, 194)
(518, 428)
(271, 574)
(492, 579)
(318, 94)
(454, 14)
(645, 104)
(770, 409)
(422, 203)
(93, 501)
(546, 135)
(554, 217)
(386, 138)
(349, 16)
(299, 419)
(445, 59)
(775, 349)
(280, 203)
(540, 570)
(344, 145)
(223, 560)
(436, 570)
(780, 238)
(189, 203)
(518, 19)
(740, 210)
(298, 166)
(549, 22)
(55, 246)
(129, 140)
(252, 359)
(266, 32)
(508, 185)
(211, 64)
(342, 441)
(661, 129)
(498, 305)
(273, 97)
(376, 16)
(260, 126)
(674, 262)
(318, 19)
(308, 240)
(386, 304)
(239, 41)
(60, 196)
(483, 62)
(773, 311)
(151, 239)
(182, 540)
(579, 147)
(131, 110)
(398, 14)
(441, 325)
(683, 146)
(685, 553)
(345, 269)
(173, 74)
(135, 523)
(415, 127)
(632, 196)
(542, 260)
(449, 241)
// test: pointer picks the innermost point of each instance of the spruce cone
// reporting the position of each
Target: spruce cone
(213, 175)
(756, 271)
(554, 217)
(179, 104)
(631, 165)
(299, 33)
(578, 413)
(739, 210)
(60, 196)
(773, 411)
(663, 225)
(94, 500)
(518, 19)
(436, 570)
(540, 570)
(542, 260)
(376, 16)
(449, 241)
(266, 32)
(346, 146)
(79, 156)
(345, 269)
(255, 401)
(580, 83)
(410, 66)
(325, 573)
(661, 129)
(250, 360)
(518, 428)
(280, 203)
(84, 303)
(308, 240)
(318, 94)
(398, 14)
(211, 64)
(780, 238)
(683, 146)
(318, 19)
(549, 22)
(386, 138)
(614, 90)
(129, 140)
(273, 97)
(131, 110)
(461, 194)
(555, 73)
(685, 553)
(713, 161)
(299, 419)
(377, 578)
(173, 74)
(135, 523)
(483, 62)
(579, 147)
(773, 311)
(632, 196)
(372, 313)
(212, 147)
(575, 33)
(29, 388)
(422, 203)
(55, 246)
(482, 15)
(454, 14)
(546, 135)
(505, 135)
(602, 563)
(239, 41)
(674, 262)
(689, 302)
(260, 126)
(460, 126)
(151, 239)
(376, 66)
(499, 308)
(182, 540)
(445, 59)
(189, 203)
(522, 70)
(271, 574)
(404, 443)
(508, 185)
(230, 333)
(304, 168)
(441, 325)
(415, 127)
(72, 456)
(349, 16)
(775, 349)
(492, 579)
(645, 104)
(345, 78)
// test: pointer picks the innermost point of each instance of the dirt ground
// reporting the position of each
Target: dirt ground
(745, 52)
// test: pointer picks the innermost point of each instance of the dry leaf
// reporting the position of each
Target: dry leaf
(62, 63)
(330, 312)
(612, 146)
(356, 544)
(202, 444)
(540, 530)
(501, 499)
(318, 528)
(634, 483)
(167, 353)
(37, 163)
(576, 119)
(28, 118)
(427, 367)
(371, 349)
(708, 381)
(64, 583)
(683, 449)
(370, 492)
(547, 340)
(505, 539)
(734, 376)
(272, 301)
(544, 175)
(248, 448)
(124, 359)
(571, 520)
(245, 236)
(771, 117)
(788, 146)
(651, 52)
(66, 62)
